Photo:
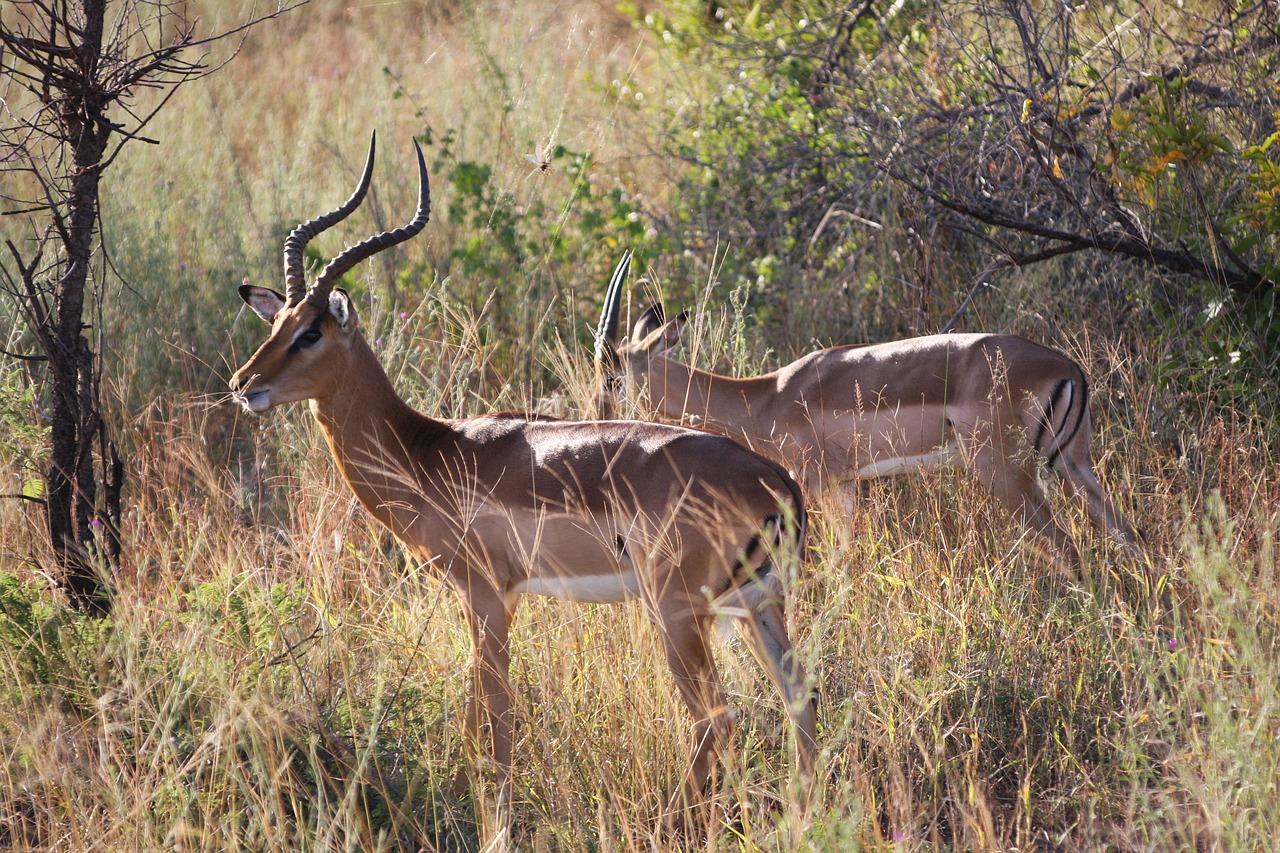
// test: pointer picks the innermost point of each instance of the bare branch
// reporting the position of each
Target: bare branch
(1179, 262)
(20, 357)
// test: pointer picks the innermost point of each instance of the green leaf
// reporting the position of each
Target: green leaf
(33, 488)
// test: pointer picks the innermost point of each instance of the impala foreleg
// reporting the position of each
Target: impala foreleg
(686, 642)
(487, 723)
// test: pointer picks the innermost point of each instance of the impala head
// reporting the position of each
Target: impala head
(621, 366)
(312, 328)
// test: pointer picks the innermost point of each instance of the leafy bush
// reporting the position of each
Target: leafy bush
(888, 162)
(47, 647)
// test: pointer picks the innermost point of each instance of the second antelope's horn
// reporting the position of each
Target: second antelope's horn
(607, 331)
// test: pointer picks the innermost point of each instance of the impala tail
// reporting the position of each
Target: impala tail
(782, 534)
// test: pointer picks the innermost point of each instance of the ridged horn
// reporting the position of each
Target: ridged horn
(319, 293)
(607, 331)
(295, 280)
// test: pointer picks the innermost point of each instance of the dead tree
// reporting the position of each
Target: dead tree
(72, 70)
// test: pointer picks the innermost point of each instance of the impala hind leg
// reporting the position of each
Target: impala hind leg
(1075, 465)
(765, 630)
(1009, 475)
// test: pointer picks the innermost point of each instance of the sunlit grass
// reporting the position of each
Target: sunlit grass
(277, 675)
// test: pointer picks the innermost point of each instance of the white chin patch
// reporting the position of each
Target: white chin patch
(256, 401)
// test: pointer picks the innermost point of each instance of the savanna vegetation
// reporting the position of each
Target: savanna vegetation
(273, 674)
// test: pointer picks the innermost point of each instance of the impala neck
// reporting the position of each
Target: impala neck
(717, 402)
(375, 437)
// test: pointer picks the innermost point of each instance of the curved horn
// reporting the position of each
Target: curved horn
(319, 293)
(295, 281)
(607, 331)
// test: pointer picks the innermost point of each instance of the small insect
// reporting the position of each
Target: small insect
(540, 158)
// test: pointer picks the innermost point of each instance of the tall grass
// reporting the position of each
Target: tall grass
(275, 675)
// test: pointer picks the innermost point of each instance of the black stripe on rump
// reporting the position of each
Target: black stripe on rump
(747, 558)
(1082, 409)
(740, 564)
(1046, 417)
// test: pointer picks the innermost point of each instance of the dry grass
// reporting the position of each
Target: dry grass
(276, 677)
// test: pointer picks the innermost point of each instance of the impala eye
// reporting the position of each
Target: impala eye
(309, 338)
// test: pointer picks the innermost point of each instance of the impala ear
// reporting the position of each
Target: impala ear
(342, 310)
(264, 301)
(671, 332)
(658, 338)
(649, 322)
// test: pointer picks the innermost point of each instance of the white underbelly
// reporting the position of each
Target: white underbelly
(945, 455)
(595, 589)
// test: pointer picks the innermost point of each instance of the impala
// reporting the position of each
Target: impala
(687, 522)
(995, 404)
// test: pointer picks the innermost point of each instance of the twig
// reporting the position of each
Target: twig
(979, 283)
(16, 496)
(21, 357)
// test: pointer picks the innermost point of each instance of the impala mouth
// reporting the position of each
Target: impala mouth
(255, 401)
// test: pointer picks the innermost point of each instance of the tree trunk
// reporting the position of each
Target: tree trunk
(72, 488)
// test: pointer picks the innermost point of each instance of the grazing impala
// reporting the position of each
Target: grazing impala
(687, 522)
(993, 403)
